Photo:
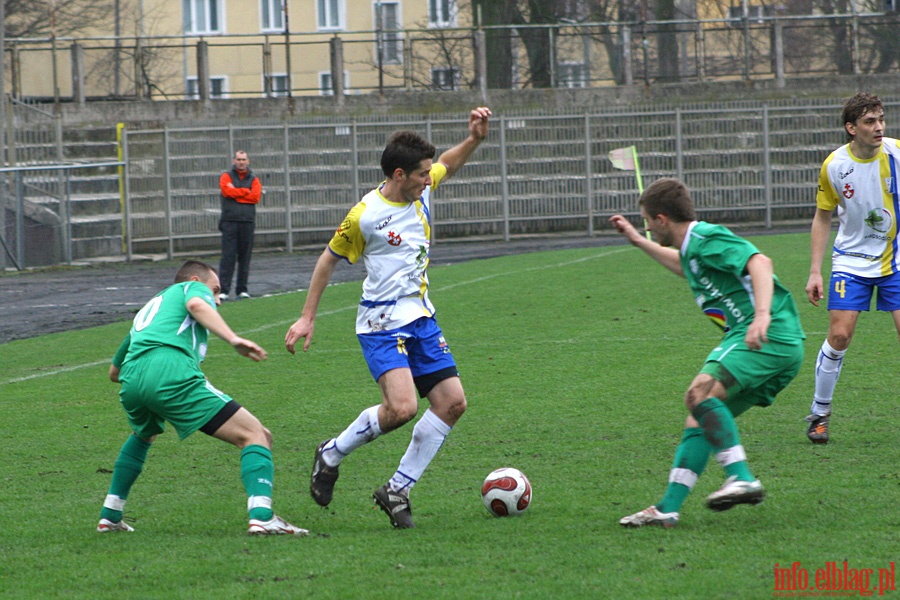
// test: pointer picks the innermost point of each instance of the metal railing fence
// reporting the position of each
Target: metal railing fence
(745, 162)
(46, 217)
(571, 55)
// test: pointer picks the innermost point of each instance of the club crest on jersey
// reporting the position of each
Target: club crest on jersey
(717, 316)
(393, 238)
(848, 190)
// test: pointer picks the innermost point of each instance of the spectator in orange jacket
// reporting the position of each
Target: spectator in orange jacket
(241, 191)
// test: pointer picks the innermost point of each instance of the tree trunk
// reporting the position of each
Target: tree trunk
(498, 42)
(537, 47)
(667, 42)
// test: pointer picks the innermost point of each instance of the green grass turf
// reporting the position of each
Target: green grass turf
(574, 363)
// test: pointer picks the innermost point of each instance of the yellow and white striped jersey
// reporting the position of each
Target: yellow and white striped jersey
(864, 193)
(393, 239)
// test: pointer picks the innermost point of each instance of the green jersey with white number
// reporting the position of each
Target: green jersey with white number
(714, 261)
(165, 321)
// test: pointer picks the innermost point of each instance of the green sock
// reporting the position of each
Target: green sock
(690, 461)
(127, 468)
(722, 434)
(257, 473)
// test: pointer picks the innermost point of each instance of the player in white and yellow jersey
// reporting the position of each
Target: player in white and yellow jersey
(390, 229)
(859, 181)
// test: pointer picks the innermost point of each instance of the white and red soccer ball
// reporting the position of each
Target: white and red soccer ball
(506, 492)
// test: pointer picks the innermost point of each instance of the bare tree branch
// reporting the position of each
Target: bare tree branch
(32, 18)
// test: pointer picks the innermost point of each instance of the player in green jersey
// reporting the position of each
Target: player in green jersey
(760, 353)
(158, 366)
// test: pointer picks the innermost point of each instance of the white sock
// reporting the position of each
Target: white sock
(428, 437)
(114, 503)
(361, 431)
(828, 369)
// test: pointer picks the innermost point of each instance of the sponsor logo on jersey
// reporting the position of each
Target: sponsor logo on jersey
(712, 293)
(879, 219)
(342, 230)
(717, 316)
(422, 257)
(384, 223)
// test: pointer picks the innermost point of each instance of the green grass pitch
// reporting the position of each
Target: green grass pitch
(574, 363)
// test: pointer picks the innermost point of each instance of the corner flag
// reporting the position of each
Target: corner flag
(626, 159)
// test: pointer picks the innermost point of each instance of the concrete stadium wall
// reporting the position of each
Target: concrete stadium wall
(550, 101)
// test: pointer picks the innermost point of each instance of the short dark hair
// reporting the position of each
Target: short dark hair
(193, 268)
(405, 150)
(857, 106)
(670, 197)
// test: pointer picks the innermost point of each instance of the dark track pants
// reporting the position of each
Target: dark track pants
(237, 245)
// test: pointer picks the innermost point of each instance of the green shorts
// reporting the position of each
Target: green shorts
(753, 377)
(165, 384)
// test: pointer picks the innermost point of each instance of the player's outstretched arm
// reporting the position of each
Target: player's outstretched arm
(456, 157)
(306, 324)
(210, 318)
(667, 257)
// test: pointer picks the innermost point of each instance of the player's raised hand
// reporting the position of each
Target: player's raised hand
(478, 122)
(625, 227)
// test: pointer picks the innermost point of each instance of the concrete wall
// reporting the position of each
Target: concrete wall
(548, 101)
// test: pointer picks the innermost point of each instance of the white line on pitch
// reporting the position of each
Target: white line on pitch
(340, 310)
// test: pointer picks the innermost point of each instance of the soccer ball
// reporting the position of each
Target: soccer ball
(506, 492)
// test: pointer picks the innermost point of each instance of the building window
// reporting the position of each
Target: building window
(272, 18)
(325, 83)
(571, 75)
(202, 16)
(736, 14)
(389, 33)
(445, 79)
(442, 13)
(216, 88)
(331, 14)
(278, 86)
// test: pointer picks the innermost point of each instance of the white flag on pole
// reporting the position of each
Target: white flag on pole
(623, 158)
